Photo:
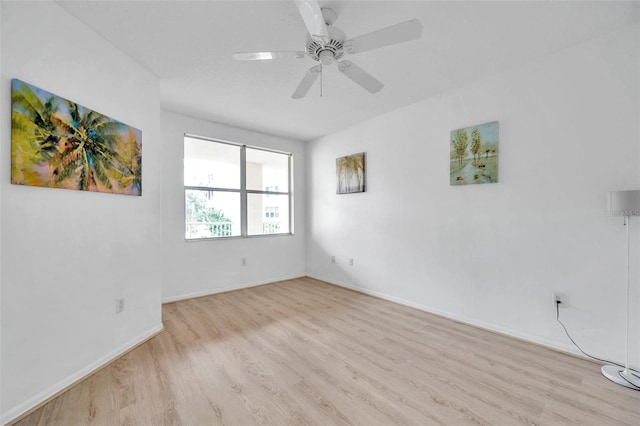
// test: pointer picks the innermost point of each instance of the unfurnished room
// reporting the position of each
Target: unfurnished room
(319, 212)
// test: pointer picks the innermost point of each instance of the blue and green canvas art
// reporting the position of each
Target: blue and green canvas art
(473, 155)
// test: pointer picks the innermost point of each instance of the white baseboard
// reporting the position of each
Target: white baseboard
(227, 288)
(551, 344)
(33, 402)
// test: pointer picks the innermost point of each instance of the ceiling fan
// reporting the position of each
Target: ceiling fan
(327, 44)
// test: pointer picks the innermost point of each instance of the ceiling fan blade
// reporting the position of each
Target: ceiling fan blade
(309, 78)
(360, 76)
(266, 56)
(394, 34)
(313, 19)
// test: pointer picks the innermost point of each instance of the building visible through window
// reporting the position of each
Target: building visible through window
(272, 212)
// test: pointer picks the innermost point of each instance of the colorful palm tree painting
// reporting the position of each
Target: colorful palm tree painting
(57, 143)
(473, 154)
(350, 174)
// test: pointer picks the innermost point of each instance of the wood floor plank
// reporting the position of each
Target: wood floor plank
(331, 377)
(304, 352)
(383, 350)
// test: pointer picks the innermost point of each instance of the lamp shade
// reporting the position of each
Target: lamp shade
(624, 203)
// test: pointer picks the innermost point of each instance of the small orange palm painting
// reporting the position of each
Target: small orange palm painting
(58, 143)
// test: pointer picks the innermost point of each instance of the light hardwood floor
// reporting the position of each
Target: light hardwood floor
(303, 352)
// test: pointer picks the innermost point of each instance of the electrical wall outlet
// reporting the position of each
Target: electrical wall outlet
(351, 262)
(119, 305)
(243, 261)
(333, 259)
(558, 298)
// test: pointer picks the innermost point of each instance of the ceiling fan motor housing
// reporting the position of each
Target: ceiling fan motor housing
(330, 51)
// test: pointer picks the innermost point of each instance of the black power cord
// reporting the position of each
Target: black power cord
(634, 386)
(576, 345)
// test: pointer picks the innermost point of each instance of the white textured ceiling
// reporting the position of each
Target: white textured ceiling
(188, 46)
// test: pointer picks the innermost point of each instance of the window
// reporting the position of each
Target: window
(273, 211)
(223, 190)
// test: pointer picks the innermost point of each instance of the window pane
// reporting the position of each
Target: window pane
(211, 164)
(267, 214)
(211, 214)
(267, 171)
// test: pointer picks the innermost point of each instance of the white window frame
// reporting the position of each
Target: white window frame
(243, 191)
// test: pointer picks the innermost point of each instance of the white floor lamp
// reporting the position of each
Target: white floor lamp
(627, 204)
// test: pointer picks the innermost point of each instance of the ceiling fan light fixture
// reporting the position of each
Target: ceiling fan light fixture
(332, 46)
(326, 57)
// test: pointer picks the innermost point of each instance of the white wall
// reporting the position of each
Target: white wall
(67, 255)
(492, 254)
(2, 94)
(196, 268)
